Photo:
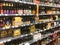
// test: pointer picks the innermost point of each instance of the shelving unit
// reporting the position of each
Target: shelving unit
(29, 22)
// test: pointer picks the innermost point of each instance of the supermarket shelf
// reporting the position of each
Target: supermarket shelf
(47, 14)
(23, 2)
(23, 25)
(48, 28)
(32, 41)
(48, 6)
(17, 14)
(52, 40)
(4, 40)
(49, 21)
(12, 27)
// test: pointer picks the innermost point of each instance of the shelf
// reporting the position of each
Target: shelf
(4, 40)
(47, 29)
(32, 41)
(52, 40)
(17, 14)
(23, 2)
(23, 25)
(48, 21)
(47, 14)
(43, 5)
(12, 27)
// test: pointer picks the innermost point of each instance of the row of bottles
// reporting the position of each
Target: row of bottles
(16, 8)
(49, 11)
(50, 3)
(18, 11)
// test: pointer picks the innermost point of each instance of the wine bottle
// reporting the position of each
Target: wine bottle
(2, 23)
(25, 30)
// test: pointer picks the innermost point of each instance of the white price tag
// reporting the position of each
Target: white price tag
(4, 41)
(9, 40)
(35, 37)
(12, 26)
(26, 43)
(6, 14)
(4, 28)
(1, 42)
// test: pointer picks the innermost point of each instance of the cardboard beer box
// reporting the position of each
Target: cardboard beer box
(17, 21)
(16, 32)
(32, 30)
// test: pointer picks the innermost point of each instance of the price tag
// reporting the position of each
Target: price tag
(4, 41)
(27, 43)
(12, 26)
(35, 37)
(16, 26)
(0, 14)
(3, 28)
(9, 40)
(6, 14)
(1, 42)
(22, 36)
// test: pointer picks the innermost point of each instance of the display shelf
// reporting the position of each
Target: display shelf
(44, 5)
(32, 41)
(4, 40)
(49, 21)
(24, 10)
(23, 25)
(52, 40)
(17, 14)
(12, 27)
(23, 2)
(48, 28)
(47, 14)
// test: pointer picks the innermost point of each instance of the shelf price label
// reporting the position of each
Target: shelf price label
(1, 42)
(27, 43)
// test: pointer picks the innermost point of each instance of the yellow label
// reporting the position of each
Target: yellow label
(32, 27)
(49, 25)
(17, 32)
(33, 11)
(32, 30)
